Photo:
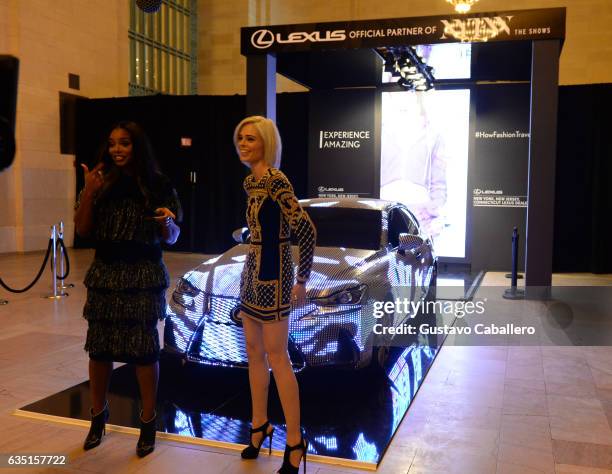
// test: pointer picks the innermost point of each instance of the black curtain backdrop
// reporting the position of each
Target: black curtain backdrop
(215, 205)
(583, 201)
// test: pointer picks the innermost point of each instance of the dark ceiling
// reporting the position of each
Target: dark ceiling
(498, 61)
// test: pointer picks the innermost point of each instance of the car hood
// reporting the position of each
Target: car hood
(333, 268)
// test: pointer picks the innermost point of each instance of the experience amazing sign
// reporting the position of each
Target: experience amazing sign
(517, 25)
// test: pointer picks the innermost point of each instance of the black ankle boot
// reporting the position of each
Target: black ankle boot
(287, 467)
(252, 451)
(97, 428)
(146, 442)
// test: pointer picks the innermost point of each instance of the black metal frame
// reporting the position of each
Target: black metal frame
(546, 47)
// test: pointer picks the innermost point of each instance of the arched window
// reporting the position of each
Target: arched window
(163, 49)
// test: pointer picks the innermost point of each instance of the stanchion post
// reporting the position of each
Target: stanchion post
(515, 240)
(63, 285)
(56, 294)
(513, 293)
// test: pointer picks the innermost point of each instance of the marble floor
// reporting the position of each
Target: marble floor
(492, 409)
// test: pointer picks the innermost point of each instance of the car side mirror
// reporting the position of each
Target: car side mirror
(241, 235)
(409, 242)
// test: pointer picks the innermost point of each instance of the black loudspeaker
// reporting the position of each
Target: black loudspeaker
(9, 70)
(149, 6)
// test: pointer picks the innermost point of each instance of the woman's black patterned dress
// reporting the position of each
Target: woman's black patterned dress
(127, 280)
(273, 214)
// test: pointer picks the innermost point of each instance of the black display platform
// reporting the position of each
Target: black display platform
(349, 417)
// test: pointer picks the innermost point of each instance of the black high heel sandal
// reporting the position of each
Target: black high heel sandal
(287, 467)
(146, 441)
(252, 451)
(97, 428)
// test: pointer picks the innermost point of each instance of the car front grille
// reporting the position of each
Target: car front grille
(218, 340)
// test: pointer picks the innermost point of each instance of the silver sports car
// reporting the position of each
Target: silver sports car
(371, 259)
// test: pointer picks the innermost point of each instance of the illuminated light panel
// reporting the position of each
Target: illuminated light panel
(239, 258)
(221, 308)
(365, 451)
(331, 346)
(181, 335)
(212, 260)
(318, 259)
(223, 343)
(400, 274)
(323, 336)
(338, 286)
(319, 280)
(404, 386)
(352, 261)
(330, 442)
(226, 280)
(183, 328)
(197, 278)
(366, 266)
(418, 367)
(222, 428)
(308, 347)
(326, 311)
(401, 392)
(182, 424)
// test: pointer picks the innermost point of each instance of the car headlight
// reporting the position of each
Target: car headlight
(353, 295)
(184, 294)
(183, 287)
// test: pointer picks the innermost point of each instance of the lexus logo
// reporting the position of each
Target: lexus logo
(262, 39)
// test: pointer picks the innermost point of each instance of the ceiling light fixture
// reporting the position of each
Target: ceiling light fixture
(405, 63)
(462, 6)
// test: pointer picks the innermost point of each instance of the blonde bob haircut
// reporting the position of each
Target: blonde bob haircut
(269, 135)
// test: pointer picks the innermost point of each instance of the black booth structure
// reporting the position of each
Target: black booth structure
(337, 60)
(350, 418)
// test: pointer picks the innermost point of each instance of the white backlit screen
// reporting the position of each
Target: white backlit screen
(424, 160)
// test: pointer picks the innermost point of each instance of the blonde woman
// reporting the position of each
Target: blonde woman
(267, 285)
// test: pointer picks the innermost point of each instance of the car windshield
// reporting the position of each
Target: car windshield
(346, 227)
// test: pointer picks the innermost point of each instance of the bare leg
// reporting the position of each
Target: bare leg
(275, 338)
(99, 379)
(259, 374)
(148, 376)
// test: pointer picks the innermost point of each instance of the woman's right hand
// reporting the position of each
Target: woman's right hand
(94, 179)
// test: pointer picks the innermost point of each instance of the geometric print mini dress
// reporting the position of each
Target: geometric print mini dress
(273, 216)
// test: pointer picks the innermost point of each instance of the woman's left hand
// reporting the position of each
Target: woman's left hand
(164, 216)
(298, 295)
